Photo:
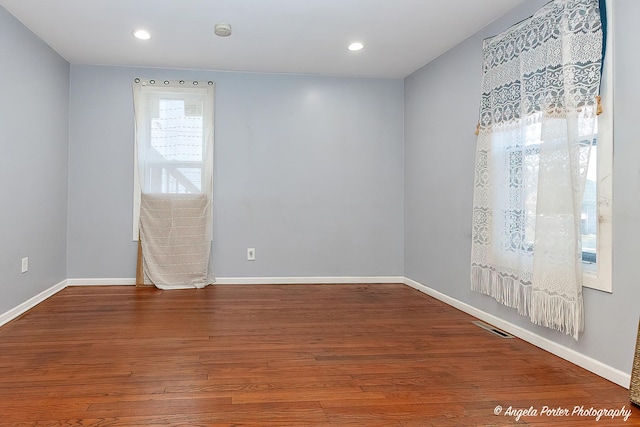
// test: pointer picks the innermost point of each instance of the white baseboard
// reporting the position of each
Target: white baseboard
(614, 375)
(102, 282)
(254, 280)
(307, 280)
(31, 302)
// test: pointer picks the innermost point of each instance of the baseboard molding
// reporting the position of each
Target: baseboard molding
(102, 282)
(614, 375)
(254, 280)
(330, 280)
(31, 302)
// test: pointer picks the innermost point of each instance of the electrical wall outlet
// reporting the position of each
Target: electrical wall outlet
(25, 264)
(251, 254)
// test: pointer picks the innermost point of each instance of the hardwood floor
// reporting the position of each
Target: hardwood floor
(282, 355)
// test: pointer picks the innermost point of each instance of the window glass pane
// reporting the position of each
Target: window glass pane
(176, 145)
(589, 216)
(177, 131)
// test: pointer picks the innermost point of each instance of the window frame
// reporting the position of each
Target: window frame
(599, 276)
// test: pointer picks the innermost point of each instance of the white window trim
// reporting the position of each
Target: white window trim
(600, 275)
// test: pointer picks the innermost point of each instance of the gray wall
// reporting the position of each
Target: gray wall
(34, 135)
(441, 111)
(308, 170)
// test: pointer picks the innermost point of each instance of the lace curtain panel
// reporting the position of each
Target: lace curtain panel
(174, 173)
(538, 120)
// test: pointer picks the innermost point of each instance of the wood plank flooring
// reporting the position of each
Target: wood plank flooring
(290, 355)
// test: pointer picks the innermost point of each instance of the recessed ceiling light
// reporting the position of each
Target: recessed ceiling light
(141, 34)
(355, 46)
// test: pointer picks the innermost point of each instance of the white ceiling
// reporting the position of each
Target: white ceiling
(283, 36)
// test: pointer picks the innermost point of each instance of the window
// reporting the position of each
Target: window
(596, 205)
(175, 144)
(596, 208)
(174, 138)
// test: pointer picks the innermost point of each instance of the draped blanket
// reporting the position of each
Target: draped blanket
(175, 232)
(538, 120)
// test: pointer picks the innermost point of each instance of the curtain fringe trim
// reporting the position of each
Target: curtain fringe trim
(557, 313)
(505, 289)
(551, 311)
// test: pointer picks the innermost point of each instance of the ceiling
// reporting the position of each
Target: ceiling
(281, 36)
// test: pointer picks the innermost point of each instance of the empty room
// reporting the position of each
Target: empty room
(319, 213)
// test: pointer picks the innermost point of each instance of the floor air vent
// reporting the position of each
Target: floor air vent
(492, 329)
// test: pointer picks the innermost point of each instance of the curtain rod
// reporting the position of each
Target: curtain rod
(167, 82)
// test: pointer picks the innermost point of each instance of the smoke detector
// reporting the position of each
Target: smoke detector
(222, 30)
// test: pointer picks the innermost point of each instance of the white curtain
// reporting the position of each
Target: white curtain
(174, 181)
(538, 120)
